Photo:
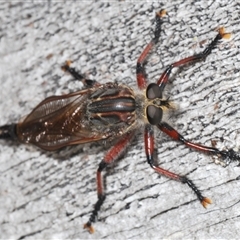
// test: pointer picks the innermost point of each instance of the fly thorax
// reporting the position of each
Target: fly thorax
(113, 106)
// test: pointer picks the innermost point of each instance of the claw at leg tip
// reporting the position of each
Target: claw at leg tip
(223, 34)
(206, 201)
(89, 227)
(66, 65)
(161, 13)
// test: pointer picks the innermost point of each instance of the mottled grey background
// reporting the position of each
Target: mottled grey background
(50, 196)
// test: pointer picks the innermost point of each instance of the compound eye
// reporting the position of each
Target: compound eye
(153, 91)
(154, 114)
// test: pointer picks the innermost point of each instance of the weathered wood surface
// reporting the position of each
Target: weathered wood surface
(45, 195)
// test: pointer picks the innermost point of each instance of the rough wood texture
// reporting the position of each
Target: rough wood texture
(50, 195)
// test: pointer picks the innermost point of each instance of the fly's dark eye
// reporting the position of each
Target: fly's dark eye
(154, 114)
(153, 91)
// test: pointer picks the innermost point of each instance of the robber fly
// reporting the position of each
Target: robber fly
(112, 112)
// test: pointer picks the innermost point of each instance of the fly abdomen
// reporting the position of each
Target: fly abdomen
(8, 132)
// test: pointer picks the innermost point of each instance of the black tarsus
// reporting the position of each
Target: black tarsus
(78, 76)
(192, 59)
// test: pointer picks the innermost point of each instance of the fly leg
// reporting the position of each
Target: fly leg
(227, 156)
(110, 157)
(141, 78)
(149, 149)
(192, 59)
(87, 82)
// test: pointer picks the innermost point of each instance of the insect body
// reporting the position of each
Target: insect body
(112, 112)
(93, 114)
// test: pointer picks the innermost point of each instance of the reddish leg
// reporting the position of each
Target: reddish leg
(110, 157)
(141, 79)
(227, 156)
(198, 57)
(149, 148)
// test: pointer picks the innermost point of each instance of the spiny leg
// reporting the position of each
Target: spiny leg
(149, 149)
(227, 156)
(141, 79)
(87, 82)
(198, 57)
(110, 157)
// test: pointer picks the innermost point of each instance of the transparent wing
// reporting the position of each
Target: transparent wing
(59, 121)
